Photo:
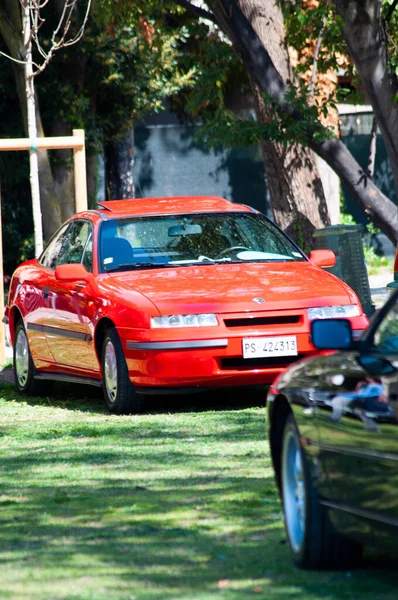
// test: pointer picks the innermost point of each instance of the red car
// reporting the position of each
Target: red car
(162, 295)
(391, 287)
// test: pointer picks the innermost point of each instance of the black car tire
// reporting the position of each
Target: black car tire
(120, 396)
(24, 368)
(313, 541)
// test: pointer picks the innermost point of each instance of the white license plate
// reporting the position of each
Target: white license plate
(281, 345)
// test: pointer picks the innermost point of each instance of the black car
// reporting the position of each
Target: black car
(333, 434)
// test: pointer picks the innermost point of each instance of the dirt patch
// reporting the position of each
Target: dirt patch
(380, 279)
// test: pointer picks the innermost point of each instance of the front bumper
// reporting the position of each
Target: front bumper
(212, 361)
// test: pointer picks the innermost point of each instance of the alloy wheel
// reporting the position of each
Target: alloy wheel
(22, 358)
(110, 371)
(294, 493)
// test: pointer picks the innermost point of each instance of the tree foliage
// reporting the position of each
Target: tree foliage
(308, 20)
(127, 68)
(363, 27)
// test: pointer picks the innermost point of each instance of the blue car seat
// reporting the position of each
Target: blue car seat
(116, 251)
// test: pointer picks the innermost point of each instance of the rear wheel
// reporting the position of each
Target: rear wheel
(24, 368)
(313, 541)
(119, 393)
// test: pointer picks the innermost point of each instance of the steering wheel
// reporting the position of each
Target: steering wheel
(232, 249)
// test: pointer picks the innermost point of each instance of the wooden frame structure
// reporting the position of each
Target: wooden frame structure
(75, 142)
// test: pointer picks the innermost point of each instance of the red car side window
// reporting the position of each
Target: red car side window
(69, 245)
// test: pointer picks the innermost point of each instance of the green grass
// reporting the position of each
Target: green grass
(376, 264)
(174, 504)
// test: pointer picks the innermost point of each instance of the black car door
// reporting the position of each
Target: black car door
(358, 430)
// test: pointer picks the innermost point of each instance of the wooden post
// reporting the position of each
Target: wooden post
(52, 143)
(79, 155)
(2, 326)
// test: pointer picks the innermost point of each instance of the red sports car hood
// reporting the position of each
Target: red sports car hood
(224, 288)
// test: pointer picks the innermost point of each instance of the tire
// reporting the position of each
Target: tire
(119, 393)
(24, 368)
(313, 541)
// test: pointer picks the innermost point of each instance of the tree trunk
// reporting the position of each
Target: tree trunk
(32, 130)
(92, 162)
(51, 214)
(364, 33)
(258, 62)
(63, 176)
(11, 31)
(297, 199)
(119, 160)
(296, 190)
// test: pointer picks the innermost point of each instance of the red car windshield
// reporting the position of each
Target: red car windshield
(177, 240)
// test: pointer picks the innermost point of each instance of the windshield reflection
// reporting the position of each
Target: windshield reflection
(181, 240)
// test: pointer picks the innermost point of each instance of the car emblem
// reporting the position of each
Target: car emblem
(258, 300)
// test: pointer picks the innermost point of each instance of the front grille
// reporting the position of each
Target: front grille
(252, 363)
(256, 321)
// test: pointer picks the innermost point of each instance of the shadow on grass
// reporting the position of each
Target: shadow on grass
(179, 538)
(135, 531)
(66, 396)
(222, 399)
(86, 398)
(179, 508)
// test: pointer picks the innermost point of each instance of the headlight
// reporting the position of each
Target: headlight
(205, 320)
(333, 312)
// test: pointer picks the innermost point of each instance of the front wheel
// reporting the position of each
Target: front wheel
(24, 368)
(119, 393)
(313, 541)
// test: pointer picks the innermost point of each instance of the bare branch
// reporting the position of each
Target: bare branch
(315, 63)
(20, 62)
(79, 34)
(197, 11)
(390, 11)
(59, 37)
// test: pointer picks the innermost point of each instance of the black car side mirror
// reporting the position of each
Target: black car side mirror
(331, 334)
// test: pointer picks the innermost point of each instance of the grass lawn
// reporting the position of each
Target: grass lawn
(178, 503)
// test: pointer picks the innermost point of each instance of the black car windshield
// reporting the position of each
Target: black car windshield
(186, 239)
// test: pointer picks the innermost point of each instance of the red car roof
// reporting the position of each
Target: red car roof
(171, 205)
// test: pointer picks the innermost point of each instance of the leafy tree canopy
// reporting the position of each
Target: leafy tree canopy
(125, 66)
(310, 21)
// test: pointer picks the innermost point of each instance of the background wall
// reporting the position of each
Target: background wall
(170, 161)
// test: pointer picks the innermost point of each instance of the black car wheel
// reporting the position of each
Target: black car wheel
(24, 368)
(119, 393)
(313, 542)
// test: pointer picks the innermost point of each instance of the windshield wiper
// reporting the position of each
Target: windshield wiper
(202, 260)
(141, 265)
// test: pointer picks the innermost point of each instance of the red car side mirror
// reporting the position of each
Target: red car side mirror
(71, 272)
(323, 258)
